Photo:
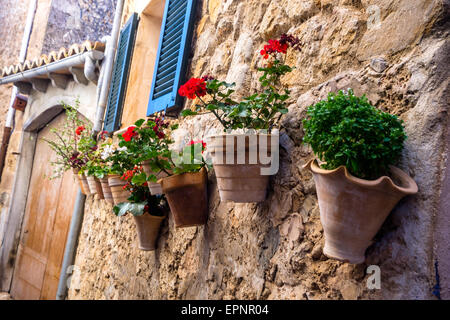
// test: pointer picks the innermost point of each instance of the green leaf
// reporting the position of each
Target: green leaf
(139, 179)
(188, 112)
(139, 123)
(136, 209)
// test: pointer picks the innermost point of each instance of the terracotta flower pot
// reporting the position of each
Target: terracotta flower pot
(83, 182)
(188, 198)
(106, 189)
(239, 182)
(147, 229)
(95, 186)
(352, 210)
(118, 193)
(154, 187)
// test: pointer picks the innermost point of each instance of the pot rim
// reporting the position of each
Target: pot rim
(171, 182)
(149, 215)
(239, 134)
(410, 185)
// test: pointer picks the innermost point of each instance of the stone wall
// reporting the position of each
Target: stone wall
(12, 16)
(397, 52)
(74, 21)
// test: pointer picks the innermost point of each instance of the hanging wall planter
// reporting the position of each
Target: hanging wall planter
(352, 210)
(83, 182)
(154, 187)
(240, 182)
(106, 189)
(118, 193)
(147, 227)
(95, 186)
(188, 198)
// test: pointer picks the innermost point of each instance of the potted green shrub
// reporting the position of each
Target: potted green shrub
(356, 182)
(237, 154)
(148, 211)
(186, 186)
(66, 145)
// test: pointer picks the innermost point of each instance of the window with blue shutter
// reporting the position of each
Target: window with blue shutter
(173, 51)
(119, 76)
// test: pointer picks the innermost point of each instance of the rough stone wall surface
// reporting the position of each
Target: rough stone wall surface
(397, 52)
(74, 21)
(12, 16)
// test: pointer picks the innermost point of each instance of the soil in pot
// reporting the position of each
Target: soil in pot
(187, 197)
(147, 227)
(240, 181)
(118, 193)
(95, 186)
(154, 187)
(352, 210)
(106, 189)
(83, 182)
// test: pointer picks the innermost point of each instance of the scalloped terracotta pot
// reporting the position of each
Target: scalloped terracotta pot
(95, 186)
(83, 182)
(154, 187)
(116, 185)
(147, 227)
(352, 210)
(188, 198)
(239, 182)
(106, 189)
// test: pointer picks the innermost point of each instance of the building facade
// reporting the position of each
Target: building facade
(273, 249)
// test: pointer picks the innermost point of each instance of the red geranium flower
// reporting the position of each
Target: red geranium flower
(79, 130)
(127, 175)
(194, 87)
(129, 133)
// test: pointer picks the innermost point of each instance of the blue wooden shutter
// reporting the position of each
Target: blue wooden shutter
(119, 76)
(173, 51)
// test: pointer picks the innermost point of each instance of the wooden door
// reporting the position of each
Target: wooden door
(44, 233)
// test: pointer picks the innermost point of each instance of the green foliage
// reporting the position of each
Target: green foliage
(190, 159)
(154, 205)
(347, 130)
(136, 209)
(140, 200)
(255, 112)
(67, 144)
(148, 142)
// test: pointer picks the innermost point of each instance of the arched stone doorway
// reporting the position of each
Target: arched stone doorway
(46, 224)
(40, 209)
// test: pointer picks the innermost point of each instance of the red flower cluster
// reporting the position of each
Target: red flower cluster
(79, 130)
(192, 142)
(281, 46)
(129, 133)
(128, 176)
(194, 87)
(272, 47)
